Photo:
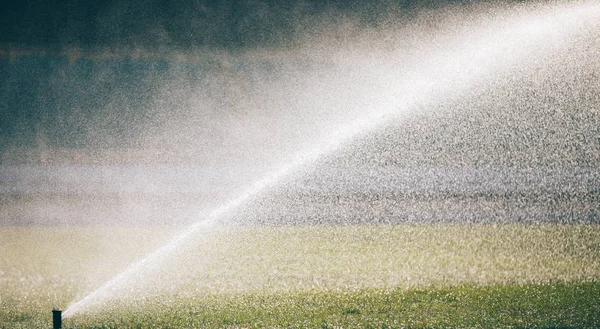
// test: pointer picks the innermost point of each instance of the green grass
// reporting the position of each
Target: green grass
(543, 306)
(311, 276)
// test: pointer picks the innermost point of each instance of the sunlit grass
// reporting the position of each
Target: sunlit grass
(309, 276)
(332, 257)
(548, 305)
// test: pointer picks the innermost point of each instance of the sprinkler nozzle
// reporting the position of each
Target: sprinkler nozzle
(56, 319)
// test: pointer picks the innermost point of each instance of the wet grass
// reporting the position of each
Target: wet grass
(556, 305)
(441, 275)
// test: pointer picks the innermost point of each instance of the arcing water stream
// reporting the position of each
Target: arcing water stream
(448, 70)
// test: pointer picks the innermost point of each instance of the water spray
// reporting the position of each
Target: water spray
(445, 73)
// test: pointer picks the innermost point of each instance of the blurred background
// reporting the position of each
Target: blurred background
(156, 112)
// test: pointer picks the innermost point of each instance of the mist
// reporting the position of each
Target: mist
(142, 125)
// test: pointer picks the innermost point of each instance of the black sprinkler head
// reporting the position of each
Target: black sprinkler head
(56, 319)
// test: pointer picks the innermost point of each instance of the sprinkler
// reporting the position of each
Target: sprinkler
(56, 319)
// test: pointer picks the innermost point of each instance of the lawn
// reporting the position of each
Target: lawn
(434, 275)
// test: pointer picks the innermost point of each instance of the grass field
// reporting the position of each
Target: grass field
(436, 275)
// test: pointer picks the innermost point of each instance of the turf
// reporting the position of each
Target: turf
(555, 305)
(439, 275)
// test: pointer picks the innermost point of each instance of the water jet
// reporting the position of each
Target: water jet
(445, 73)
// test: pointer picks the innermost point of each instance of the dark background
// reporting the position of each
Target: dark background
(227, 24)
(58, 86)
